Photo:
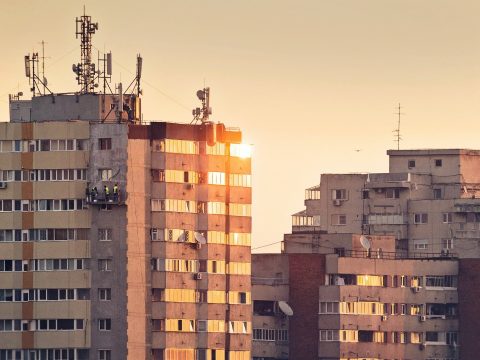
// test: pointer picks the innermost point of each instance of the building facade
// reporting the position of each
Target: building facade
(157, 269)
(428, 200)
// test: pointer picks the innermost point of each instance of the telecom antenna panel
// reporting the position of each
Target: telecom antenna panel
(85, 70)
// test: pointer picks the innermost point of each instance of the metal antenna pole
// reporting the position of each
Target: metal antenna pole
(398, 135)
(43, 66)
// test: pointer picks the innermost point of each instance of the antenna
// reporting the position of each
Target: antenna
(106, 74)
(139, 73)
(44, 79)
(397, 135)
(365, 244)
(85, 70)
(31, 72)
(205, 111)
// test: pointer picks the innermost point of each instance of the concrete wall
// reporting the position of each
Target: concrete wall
(115, 250)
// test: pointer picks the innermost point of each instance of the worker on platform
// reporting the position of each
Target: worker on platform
(107, 193)
(93, 194)
(115, 192)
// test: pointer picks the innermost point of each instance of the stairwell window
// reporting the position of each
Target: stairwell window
(437, 194)
(438, 163)
(339, 219)
(411, 164)
(420, 218)
(339, 194)
(105, 143)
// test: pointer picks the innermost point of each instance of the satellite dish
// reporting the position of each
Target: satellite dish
(365, 242)
(181, 238)
(286, 309)
(200, 238)
(201, 95)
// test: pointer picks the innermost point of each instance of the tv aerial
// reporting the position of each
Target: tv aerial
(205, 111)
(85, 70)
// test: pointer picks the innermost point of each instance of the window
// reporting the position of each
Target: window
(104, 265)
(411, 164)
(420, 218)
(437, 194)
(105, 294)
(104, 354)
(365, 194)
(104, 143)
(105, 174)
(104, 324)
(202, 325)
(438, 163)
(447, 218)
(105, 234)
(420, 244)
(158, 175)
(329, 335)
(339, 219)
(447, 244)
(392, 193)
(264, 307)
(339, 194)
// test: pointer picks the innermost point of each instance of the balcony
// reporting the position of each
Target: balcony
(387, 219)
(467, 205)
(388, 180)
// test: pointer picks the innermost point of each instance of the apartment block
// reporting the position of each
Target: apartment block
(428, 200)
(360, 304)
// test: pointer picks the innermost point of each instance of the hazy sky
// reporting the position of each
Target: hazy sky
(308, 81)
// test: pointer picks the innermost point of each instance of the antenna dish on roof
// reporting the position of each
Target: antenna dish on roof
(286, 309)
(365, 242)
(200, 238)
(201, 95)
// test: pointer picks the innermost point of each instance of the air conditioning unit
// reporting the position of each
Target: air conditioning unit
(421, 346)
(198, 245)
(3, 185)
(422, 318)
(197, 276)
(154, 234)
(337, 202)
(415, 289)
(384, 317)
(189, 186)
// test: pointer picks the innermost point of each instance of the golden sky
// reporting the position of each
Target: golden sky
(308, 81)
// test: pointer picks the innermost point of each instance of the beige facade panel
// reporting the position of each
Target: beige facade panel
(60, 160)
(269, 292)
(173, 220)
(241, 224)
(242, 342)
(62, 219)
(269, 349)
(62, 279)
(10, 220)
(158, 310)
(59, 190)
(184, 162)
(240, 312)
(387, 267)
(61, 130)
(12, 191)
(240, 166)
(180, 340)
(240, 195)
(239, 283)
(10, 131)
(73, 249)
(10, 161)
(11, 250)
(11, 340)
(175, 250)
(77, 309)
(10, 310)
(62, 339)
(240, 253)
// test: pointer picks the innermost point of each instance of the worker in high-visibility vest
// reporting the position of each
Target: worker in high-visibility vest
(115, 192)
(107, 193)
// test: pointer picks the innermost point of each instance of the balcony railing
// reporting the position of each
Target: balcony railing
(386, 255)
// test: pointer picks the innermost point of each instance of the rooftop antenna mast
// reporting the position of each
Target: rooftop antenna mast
(397, 135)
(85, 70)
(205, 111)
(44, 79)
(106, 74)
